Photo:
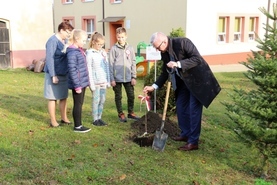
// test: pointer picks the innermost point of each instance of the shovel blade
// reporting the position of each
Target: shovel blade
(159, 140)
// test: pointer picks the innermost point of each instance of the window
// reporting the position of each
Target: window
(116, 1)
(2, 24)
(222, 29)
(67, 1)
(89, 26)
(252, 28)
(238, 29)
(70, 20)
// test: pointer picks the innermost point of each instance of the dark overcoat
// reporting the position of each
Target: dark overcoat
(194, 71)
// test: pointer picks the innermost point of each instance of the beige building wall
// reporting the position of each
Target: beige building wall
(30, 24)
(142, 18)
(145, 17)
(77, 10)
(198, 18)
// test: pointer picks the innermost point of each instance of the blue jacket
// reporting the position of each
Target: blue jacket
(77, 68)
(56, 61)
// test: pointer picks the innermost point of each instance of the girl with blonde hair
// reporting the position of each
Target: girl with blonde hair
(99, 76)
(78, 76)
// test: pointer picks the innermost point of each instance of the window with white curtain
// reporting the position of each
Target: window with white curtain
(117, 1)
(252, 28)
(68, 1)
(90, 27)
(222, 30)
(237, 31)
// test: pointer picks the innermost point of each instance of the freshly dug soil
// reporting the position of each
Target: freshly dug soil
(153, 122)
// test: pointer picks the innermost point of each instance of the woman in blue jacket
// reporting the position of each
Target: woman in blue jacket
(55, 83)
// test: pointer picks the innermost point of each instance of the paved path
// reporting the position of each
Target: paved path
(228, 68)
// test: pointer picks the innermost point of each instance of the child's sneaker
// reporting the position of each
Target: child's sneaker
(99, 122)
(102, 122)
(133, 116)
(81, 129)
(122, 117)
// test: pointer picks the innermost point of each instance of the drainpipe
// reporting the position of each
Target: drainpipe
(53, 14)
(267, 19)
(103, 11)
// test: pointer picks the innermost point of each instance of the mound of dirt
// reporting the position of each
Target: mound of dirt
(150, 123)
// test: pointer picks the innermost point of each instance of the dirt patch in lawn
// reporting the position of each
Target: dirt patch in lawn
(150, 123)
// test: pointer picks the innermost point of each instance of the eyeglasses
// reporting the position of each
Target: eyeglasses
(68, 32)
(158, 48)
(100, 45)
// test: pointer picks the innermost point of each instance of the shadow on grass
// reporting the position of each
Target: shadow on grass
(25, 106)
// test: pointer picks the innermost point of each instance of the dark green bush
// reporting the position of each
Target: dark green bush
(161, 92)
(177, 33)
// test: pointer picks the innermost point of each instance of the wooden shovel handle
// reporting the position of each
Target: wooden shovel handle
(166, 100)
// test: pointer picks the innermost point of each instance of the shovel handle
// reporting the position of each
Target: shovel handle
(166, 100)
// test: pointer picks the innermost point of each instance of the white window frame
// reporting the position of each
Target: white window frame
(70, 21)
(251, 36)
(68, 1)
(222, 37)
(237, 34)
(90, 29)
(251, 33)
(117, 1)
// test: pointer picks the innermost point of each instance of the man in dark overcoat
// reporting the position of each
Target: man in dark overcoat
(192, 80)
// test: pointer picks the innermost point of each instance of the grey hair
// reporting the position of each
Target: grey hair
(155, 36)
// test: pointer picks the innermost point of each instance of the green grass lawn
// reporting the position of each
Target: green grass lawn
(33, 153)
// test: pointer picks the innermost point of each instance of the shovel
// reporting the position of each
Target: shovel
(160, 136)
